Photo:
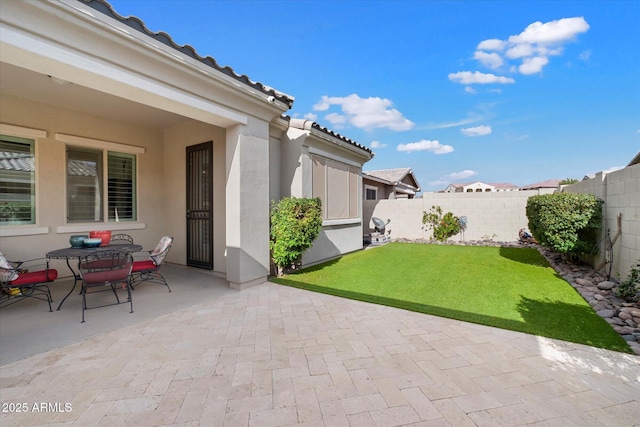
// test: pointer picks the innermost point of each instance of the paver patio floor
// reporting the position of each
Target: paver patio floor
(278, 356)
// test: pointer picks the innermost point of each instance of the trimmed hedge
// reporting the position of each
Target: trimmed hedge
(295, 224)
(566, 222)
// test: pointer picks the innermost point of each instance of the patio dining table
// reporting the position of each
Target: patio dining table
(78, 253)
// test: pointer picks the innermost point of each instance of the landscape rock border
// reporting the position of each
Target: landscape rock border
(594, 287)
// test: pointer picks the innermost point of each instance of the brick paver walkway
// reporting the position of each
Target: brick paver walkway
(277, 356)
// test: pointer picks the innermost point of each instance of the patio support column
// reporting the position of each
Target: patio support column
(247, 203)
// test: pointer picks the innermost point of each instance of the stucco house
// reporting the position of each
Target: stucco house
(125, 130)
(390, 184)
(480, 187)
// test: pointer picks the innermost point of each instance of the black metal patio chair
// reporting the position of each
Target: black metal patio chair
(104, 272)
(20, 280)
(148, 270)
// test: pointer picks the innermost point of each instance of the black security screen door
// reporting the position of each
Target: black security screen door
(200, 205)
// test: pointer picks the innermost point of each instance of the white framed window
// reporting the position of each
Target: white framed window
(17, 180)
(336, 184)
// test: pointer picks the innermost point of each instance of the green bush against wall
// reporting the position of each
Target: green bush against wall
(295, 224)
(443, 226)
(566, 222)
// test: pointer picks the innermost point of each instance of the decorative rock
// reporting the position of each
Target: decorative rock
(624, 316)
(583, 282)
(602, 305)
(599, 297)
(606, 285)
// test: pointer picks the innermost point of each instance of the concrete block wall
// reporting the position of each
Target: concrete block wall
(495, 215)
(620, 191)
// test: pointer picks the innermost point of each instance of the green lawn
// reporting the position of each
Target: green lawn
(509, 288)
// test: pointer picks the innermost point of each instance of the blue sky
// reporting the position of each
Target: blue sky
(459, 91)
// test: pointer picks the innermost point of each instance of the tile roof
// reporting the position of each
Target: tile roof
(16, 161)
(390, 175)
(104, 7)
(11, 161)
(308, 125)
(550, 183)
(493, 184)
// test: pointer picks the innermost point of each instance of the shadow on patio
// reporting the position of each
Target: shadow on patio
(28, 328)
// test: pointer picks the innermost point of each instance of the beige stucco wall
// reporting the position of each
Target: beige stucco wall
(51, 176)
(493, 215)
(336, 237)
(177, 139)
(620, 191)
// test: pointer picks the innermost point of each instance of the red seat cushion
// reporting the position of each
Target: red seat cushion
(34, 277)
(106, 276)
(139, 266)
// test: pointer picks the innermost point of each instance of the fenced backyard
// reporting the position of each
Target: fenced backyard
(498, 216)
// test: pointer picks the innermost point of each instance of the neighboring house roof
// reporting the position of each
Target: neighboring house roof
(635, 160)
(504, 185)
(16, 161)
(550, 183)
(10, 161)
(313, 126)
(393, 176)
(135, 23)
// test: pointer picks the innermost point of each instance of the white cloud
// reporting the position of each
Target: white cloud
(477, 131)
(552, 32)
(473, 118)
(311, 116)
(426, 145)
(476, 77)
(533, 45)
(519, 51)
(377, 144)
(489, 60)
(364, 113)
(336, 119)
(456, 176)
(491, 44)
(533, 65)
(470, 90)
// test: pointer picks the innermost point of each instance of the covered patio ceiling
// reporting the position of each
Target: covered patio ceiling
(23, 83)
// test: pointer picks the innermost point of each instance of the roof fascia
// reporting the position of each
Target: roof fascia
(376, 179)
(318, 134)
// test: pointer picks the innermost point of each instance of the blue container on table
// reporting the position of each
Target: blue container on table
(77, 241)
(92, 243)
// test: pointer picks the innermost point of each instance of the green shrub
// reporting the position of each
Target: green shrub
(628, 289)
(566, 222)
(295, 224)
(443, 226)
